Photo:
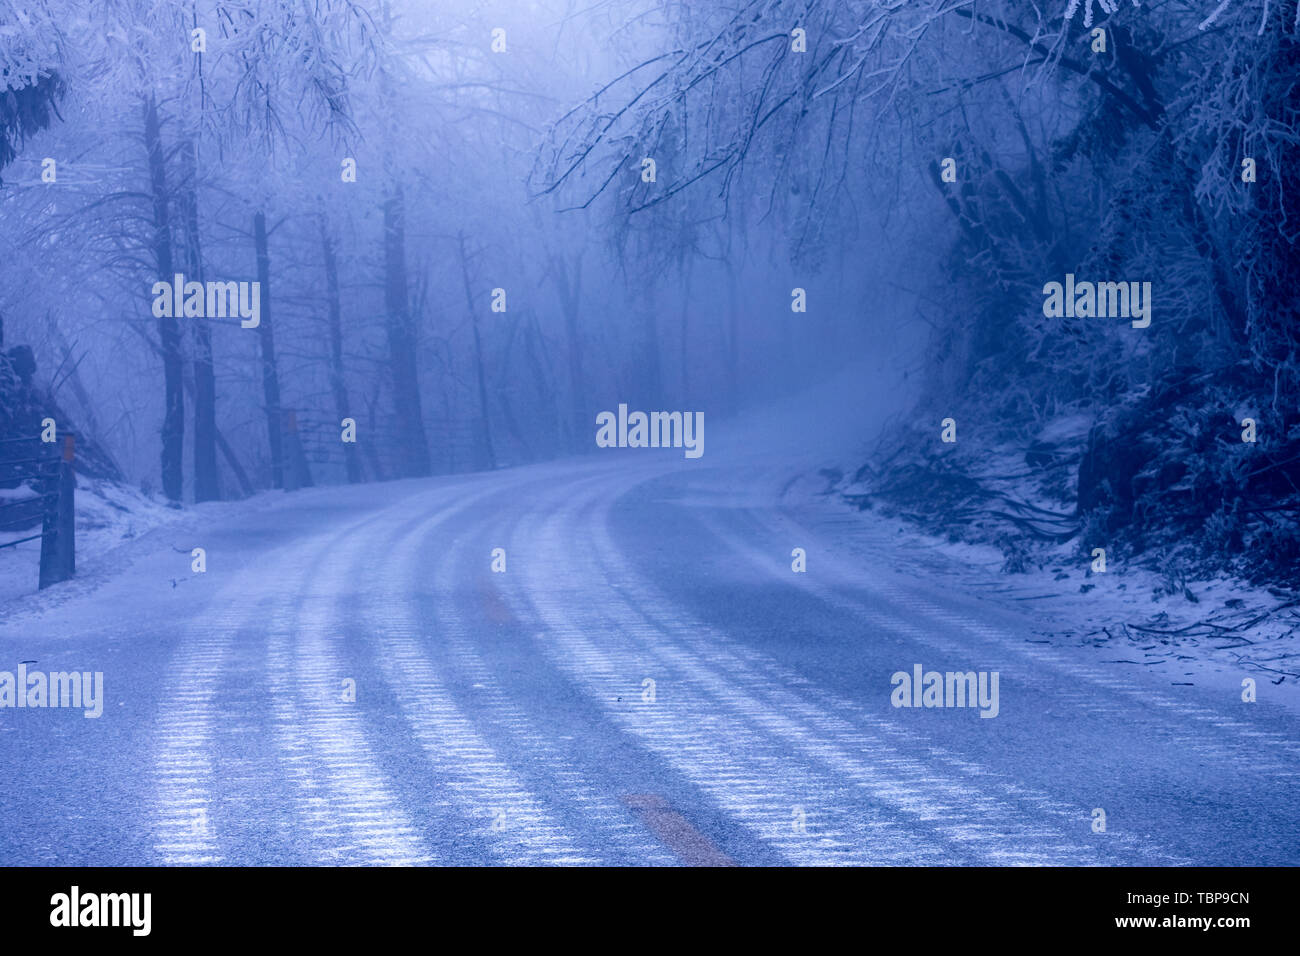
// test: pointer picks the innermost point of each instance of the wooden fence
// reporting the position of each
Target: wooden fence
(29, 462)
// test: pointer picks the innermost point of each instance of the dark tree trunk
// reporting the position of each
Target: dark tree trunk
(402, 342)
(369, 449)
(241, 476)
(337, 382)
(487, 456)
(685, 353)
(1267, 250)
(533, 346)
(92, 429)
(733, 338)
(297, 473)
(207, 486)
(570, 291)
(270, 376)
(652, 378)
(169, 335)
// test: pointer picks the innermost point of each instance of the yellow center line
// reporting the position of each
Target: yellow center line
(690, 845)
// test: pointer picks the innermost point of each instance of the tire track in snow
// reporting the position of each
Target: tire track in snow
(953, 801)
(183, 807)
(737, 759)
(314, 746)
(479, 785)
(606, 826)
(351, 811)
(185, 831)
(1069, 817)
(1174, 711)
(931, 620)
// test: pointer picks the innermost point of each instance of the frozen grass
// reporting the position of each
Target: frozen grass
(1149, 612)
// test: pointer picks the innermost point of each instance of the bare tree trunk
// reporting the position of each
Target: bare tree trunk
(207, 485)
(652, 381)
(533, 344)
(487, 454)
(570, 291)
(369, 449)
(297, 473)
(169, 335)
(402, 341)
(1137, 64)
(337, 382)
(270, 375)
(241, 476)
(733, 338)
(73, 378)
(686, 327)
(1267, 248)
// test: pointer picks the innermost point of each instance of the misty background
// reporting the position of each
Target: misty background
(381, 168)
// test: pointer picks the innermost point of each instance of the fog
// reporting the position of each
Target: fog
(430, 243)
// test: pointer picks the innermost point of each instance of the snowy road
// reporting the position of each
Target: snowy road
(507, 717)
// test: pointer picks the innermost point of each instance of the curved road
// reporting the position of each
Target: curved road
(647, 682)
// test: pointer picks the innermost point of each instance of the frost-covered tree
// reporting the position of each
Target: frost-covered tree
(1121, 140)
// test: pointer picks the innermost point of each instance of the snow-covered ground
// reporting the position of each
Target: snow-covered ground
(1184, 632)
(111, 517)
(647, 679)
(1213, 632)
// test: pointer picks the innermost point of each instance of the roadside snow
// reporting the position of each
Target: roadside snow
(111, 520)
(1207, 633)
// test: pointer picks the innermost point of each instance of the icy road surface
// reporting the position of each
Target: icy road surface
(505, 718)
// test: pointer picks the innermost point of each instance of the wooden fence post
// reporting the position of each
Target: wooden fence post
(297, 473)
(58, 531)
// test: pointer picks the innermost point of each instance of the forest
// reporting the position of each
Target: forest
(466, 231)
